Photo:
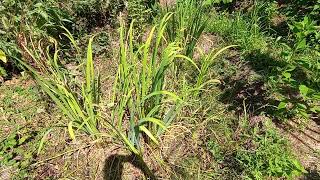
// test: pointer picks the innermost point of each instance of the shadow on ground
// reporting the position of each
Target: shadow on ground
(249, 84)
(257, 82)
(114, 166)
(312, 175)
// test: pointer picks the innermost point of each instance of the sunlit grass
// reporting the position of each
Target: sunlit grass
(188, 22)
(79, 107)
(142, 104)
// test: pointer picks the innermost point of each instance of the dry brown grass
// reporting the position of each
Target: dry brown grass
(167, 3)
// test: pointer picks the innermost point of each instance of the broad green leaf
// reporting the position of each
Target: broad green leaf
(315, 109)
(3, 72)
(302, 106)
(302, 44)
(287, 75)
(282, 105)
(303, 90)
(304, 114)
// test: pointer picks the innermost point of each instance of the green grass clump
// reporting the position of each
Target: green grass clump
(259, 151)
(142, 105)
(80, 103)
(238, 29)
(187, 23)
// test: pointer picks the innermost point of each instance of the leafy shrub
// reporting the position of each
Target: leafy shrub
(306, 34)
(301, 74)
(140, 11)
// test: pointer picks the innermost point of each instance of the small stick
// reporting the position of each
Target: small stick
(54, 157)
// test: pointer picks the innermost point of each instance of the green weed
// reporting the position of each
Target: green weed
(3, 58)
(301, 72)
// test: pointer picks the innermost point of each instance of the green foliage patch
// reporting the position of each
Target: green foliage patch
(266, 154)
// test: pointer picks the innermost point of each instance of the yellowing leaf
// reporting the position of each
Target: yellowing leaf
(70, 129)
(3, 57)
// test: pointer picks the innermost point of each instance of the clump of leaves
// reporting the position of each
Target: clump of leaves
(140, 11)
(301, 74)
(306, 34)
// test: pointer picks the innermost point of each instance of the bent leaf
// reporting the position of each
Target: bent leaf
(172, 95)
(153, 120)
(149, 134)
